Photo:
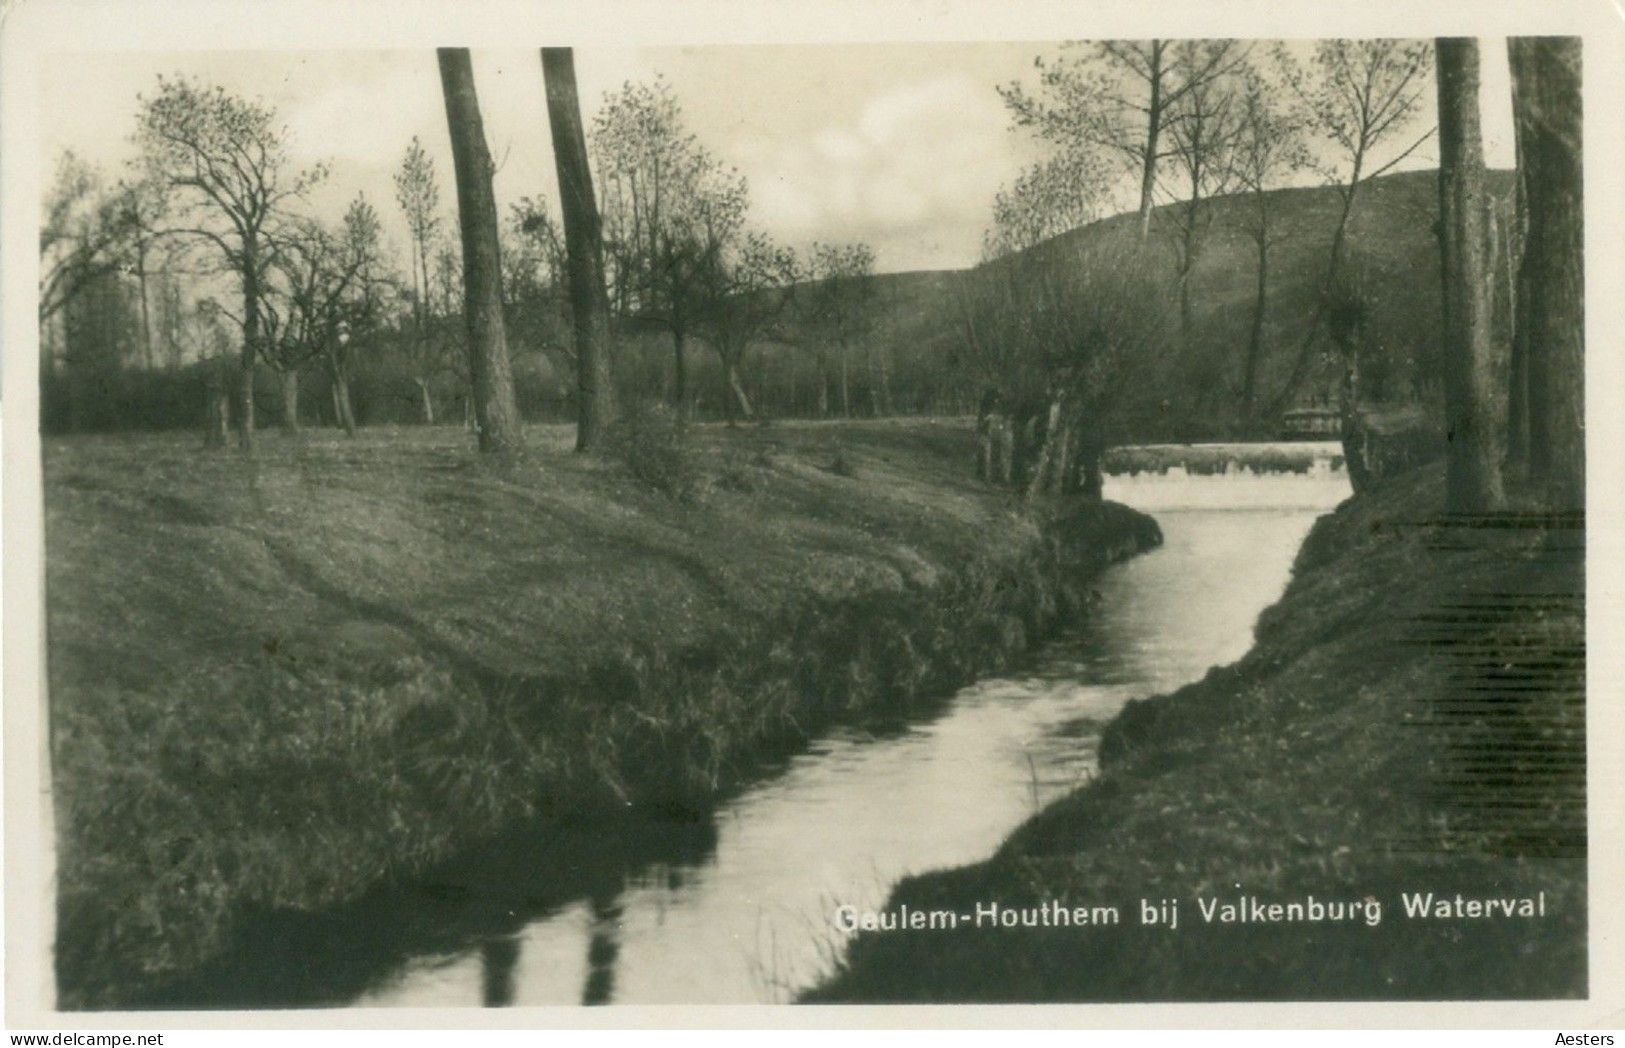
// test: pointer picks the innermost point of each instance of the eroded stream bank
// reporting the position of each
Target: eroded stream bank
(738, 904)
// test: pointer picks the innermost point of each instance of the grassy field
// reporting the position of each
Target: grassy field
(277, 681)
(1411, 719)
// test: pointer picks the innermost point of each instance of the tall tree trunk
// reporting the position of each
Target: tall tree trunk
(1518, 369)
(589, 301)
(290, 402)
(495, 410)
(1255, 334)
(1473, 462)
(1546, 106)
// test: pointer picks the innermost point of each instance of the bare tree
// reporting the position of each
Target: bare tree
(1201, 133)
(1120, 96)
(589, 300)
(536, 283)
(834, 303)
(1360, 95)
(1054, 196)
(1268, 148)
(84, 234)
(495, 410)
(325, 298)
(1547, 110)
(670, 209)
(417, 191)
(746, 291)
(214, 345)
(1054, 344)
(226, 159)
(1474, 455)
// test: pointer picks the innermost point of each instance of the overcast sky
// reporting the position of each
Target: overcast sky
(902, 146)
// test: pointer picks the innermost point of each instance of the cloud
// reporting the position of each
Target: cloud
(913, 171)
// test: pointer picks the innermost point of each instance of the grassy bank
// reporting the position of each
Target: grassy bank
(1411, 719)
(278, 682)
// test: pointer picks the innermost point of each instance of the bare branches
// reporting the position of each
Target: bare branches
(226, 158)
(1120, 99)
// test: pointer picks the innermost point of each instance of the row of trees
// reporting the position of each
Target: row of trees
(1515, 402)
(664, 236)
(1189, 121)
(1062, 335)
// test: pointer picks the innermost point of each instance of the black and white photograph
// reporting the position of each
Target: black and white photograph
(545, 519)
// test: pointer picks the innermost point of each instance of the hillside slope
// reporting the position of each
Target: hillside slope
(1392, 259)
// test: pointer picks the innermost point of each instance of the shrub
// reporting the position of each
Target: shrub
(653, 444)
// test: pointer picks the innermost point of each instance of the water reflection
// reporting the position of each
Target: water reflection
(463, 925)
(497, 960)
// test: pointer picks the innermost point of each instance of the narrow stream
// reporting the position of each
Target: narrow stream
(741, 911)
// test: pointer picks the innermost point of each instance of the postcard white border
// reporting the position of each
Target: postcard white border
(32, 30)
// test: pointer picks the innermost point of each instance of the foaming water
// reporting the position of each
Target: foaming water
(747, 915)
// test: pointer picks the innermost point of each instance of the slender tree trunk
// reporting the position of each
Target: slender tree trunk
(141, 289)
(1153, 135)
(1091, 448)
(1473, 463)
(1334, 267)
(427, 400)
(823, 384)
(495, 410)
(343, 413)
(1038, 481)
(1255, 334)
(1546, 104)
(1187, 263)
(875, 410)
(1063, 484)
(251, 339)
(738, 389)
(348, 405)
(290, 402)
(846, 386)
(589, 301)
(679, 395)
(217, 407)
(1518, 369)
